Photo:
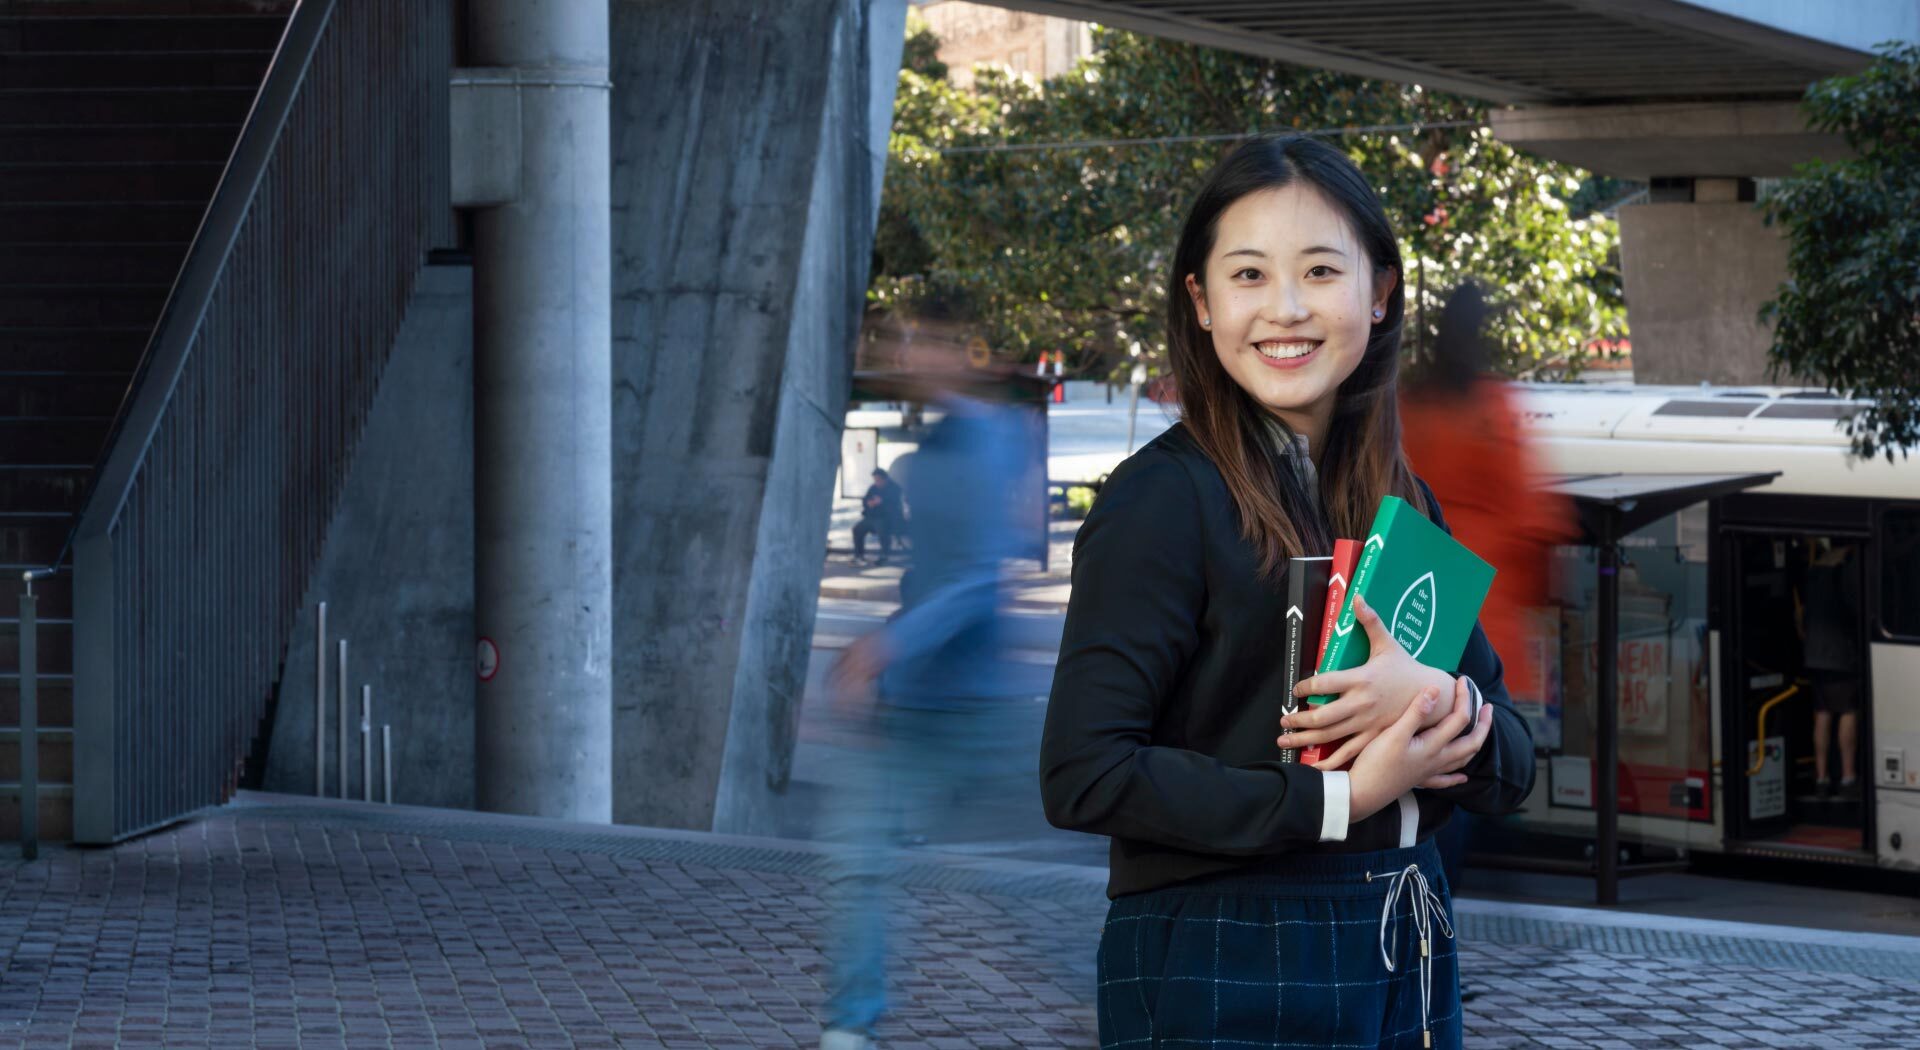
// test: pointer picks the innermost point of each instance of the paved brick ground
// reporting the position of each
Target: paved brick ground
(266, 926)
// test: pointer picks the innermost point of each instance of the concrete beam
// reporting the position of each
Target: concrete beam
(1742, 139)
(749, 142)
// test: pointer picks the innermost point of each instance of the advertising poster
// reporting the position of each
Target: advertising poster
(1643, 685)
(1767, 789)
(1534, 684)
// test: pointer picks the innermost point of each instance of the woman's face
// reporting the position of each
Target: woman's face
(1289, 295)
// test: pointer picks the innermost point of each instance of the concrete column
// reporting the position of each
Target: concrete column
(542, 453)
(1696, 274)
(1698, 261)
(748, 141)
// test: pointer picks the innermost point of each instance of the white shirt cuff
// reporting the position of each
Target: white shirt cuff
(1339, 798)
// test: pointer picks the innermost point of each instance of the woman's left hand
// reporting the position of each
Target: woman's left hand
(1368, 698)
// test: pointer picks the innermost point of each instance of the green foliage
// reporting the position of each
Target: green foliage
(1065, 248)
(1849, 314)
(922, 52)
(1079, 501)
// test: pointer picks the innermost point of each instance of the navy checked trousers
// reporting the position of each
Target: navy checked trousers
(1290, 956)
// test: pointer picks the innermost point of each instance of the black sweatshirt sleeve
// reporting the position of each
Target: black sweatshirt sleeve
(1139, 588)
(1500, 776)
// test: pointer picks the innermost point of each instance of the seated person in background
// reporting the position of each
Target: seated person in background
(880, 513)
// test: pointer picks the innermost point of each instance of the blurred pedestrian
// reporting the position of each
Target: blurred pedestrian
(1464, 436)
(1256, 902)
(931, 689)
(881, 512)
(1826, 615)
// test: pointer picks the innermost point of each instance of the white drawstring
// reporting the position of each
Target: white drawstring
(1426, 907)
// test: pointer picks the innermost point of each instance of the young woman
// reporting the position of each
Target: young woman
(1258, 903)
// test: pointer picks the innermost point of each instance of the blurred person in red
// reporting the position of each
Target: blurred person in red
(1462, 432)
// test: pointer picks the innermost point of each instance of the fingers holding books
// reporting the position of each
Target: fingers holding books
(1355, 711)
(1368, 697)
(1391, 765)
(1379, 638)
(1348, 748)
(1405, 755)
(1450, 749)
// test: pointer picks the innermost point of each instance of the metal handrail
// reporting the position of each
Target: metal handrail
(30, 714)
(158, 372)
(1760, 752)
(201, 528)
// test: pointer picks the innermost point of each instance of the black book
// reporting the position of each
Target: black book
(1306, 612)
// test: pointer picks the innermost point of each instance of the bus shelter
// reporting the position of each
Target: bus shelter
(1028, 394)
(1612, 507)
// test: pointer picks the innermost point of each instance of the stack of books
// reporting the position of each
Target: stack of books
(1425, 585)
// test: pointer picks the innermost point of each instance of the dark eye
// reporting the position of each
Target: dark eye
(1322, 271)
(1247, 274)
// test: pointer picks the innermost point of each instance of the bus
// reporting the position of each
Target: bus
(1769, 641)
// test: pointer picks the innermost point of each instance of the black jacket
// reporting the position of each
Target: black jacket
(1166, 699)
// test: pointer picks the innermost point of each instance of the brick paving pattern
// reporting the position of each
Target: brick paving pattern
(261, 929)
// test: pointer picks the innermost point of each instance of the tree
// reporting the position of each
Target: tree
(997, 208)
(1849, 314)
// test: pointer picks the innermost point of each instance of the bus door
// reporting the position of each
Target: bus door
(1796, 690)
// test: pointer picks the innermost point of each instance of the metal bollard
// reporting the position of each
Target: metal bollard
(386, 763)
(366, 742)
(320, 703)
(343, 717)
(30, 717)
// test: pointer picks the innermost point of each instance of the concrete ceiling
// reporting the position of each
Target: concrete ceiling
(1555, 52)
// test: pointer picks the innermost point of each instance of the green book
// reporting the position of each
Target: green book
(1425, 585)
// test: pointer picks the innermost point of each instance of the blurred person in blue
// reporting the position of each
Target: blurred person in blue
(930, 688)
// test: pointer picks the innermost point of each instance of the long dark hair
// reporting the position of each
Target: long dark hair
(1362, 460)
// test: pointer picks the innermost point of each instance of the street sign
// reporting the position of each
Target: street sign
(979, 354)
(859, 454)
(487, 659)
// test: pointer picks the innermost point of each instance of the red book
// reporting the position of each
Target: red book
(1346, 555)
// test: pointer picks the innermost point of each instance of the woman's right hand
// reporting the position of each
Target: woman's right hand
(1404, 757)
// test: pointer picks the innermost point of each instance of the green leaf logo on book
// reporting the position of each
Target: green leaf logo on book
(1426, 585)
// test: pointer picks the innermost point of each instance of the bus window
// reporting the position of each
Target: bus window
(1900, 573)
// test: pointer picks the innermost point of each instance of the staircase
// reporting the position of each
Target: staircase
(116, 120)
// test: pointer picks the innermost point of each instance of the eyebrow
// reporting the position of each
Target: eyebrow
(1318, 249)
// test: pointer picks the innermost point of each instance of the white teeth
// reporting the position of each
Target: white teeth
(1283, 351)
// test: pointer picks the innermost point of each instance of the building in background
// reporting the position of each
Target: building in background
(1030, 45)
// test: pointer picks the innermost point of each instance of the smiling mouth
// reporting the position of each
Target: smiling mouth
(1287, 349)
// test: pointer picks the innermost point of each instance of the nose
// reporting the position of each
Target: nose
(1288, 306)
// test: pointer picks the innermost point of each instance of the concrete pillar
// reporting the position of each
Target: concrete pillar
(542, 454)
(749, 141)
(1698, 261)
(1696, 275)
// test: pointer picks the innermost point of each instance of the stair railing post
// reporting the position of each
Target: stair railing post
(30, 716)
(366, 742)
(320, 703)
(342, 703)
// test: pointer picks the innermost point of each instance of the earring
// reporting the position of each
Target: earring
(1206, 322)
(1378, 313)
